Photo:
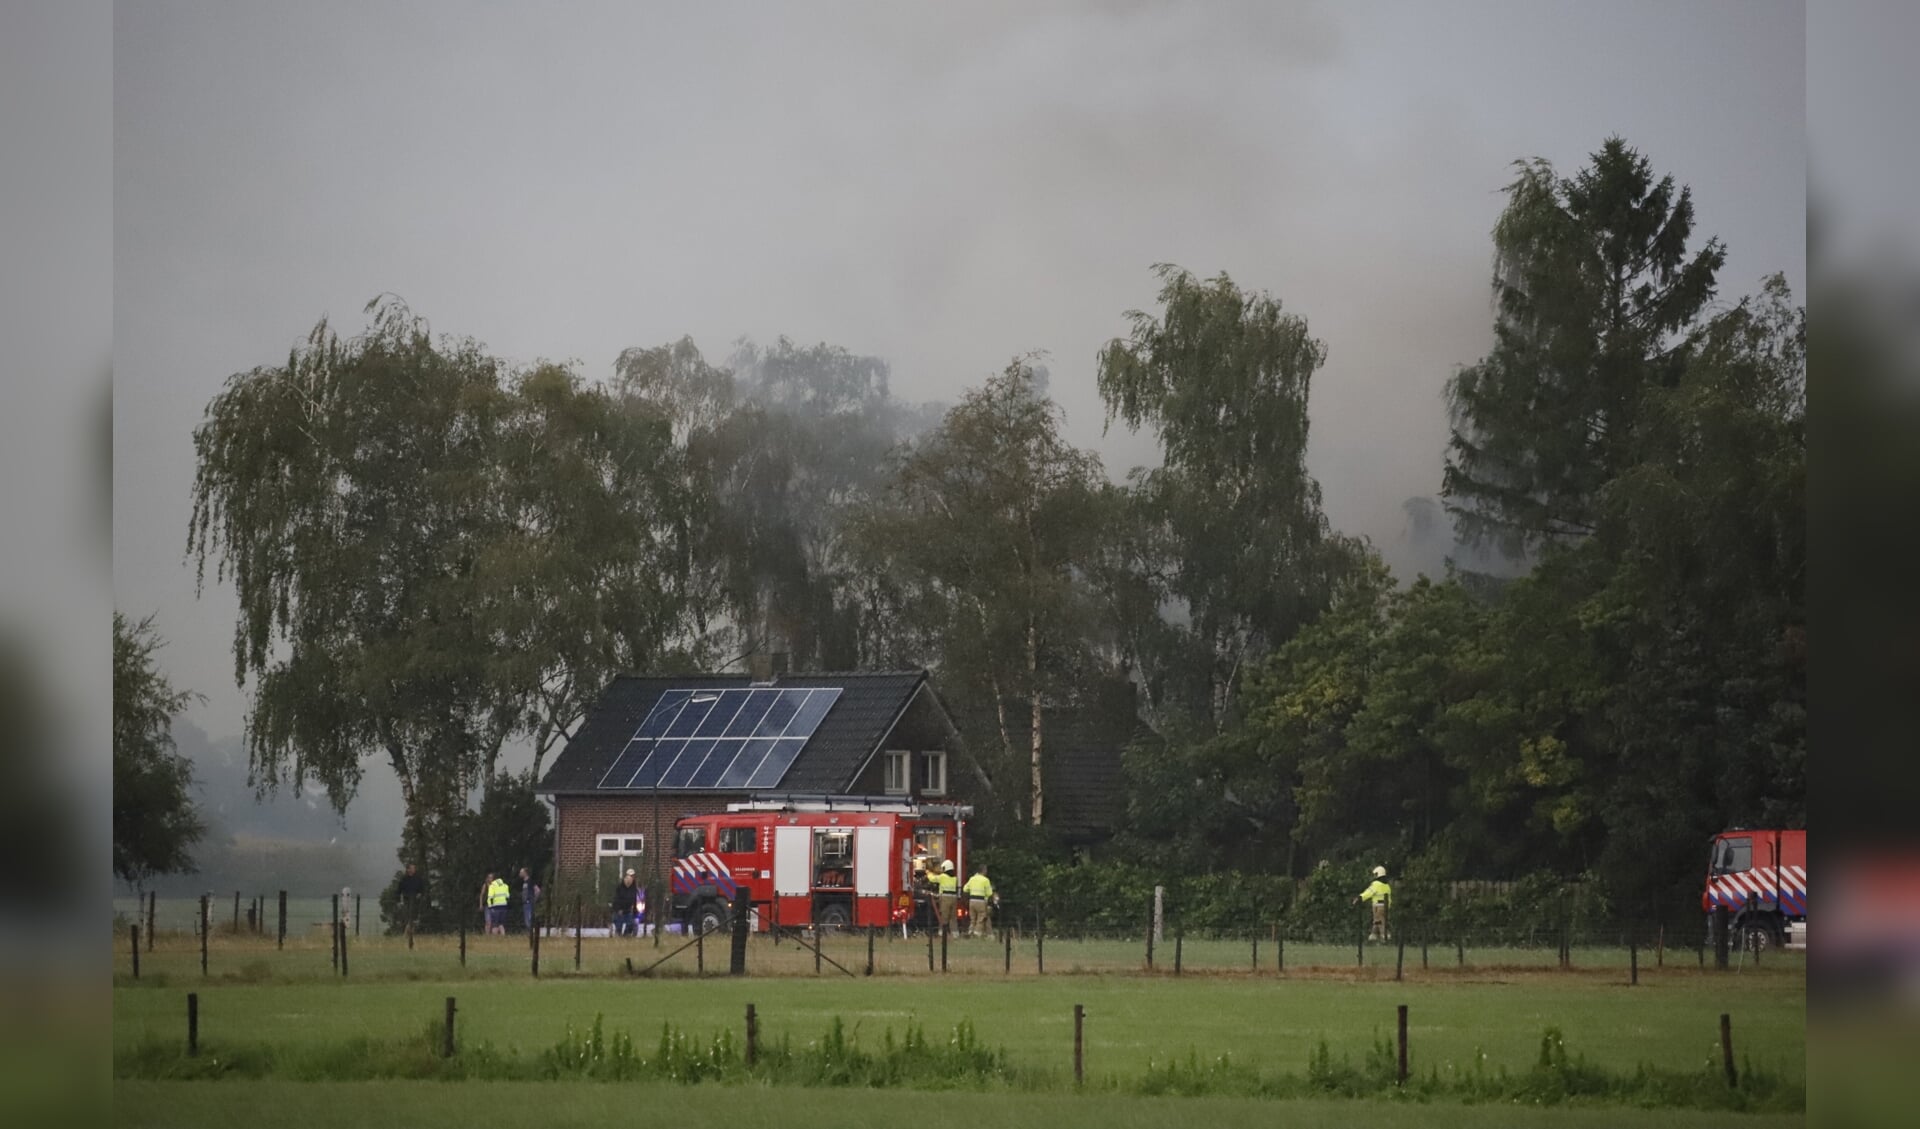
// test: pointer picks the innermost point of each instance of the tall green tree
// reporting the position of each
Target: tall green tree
(432, 555)
(1222, 377)
(155, 822)
(984, 528)
(1595, 290)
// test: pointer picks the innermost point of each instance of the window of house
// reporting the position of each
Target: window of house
(896, 761)
(616, 853)
(737, 840)
(933, 774)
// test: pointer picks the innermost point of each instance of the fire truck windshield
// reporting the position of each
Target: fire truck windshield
(1732, 856)
(689, 841)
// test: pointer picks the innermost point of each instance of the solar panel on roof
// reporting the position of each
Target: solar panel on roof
(785, 752)
(726, 738)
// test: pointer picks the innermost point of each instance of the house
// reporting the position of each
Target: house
(656, 748)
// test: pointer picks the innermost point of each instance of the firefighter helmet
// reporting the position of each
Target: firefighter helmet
(1379, 872)
(947, 867)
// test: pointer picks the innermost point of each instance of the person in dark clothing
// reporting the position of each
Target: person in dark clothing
(529, 897)
(626, 904)
(413, 894)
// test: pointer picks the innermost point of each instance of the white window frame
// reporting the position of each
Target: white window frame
(932, 764)
(620, 856)
(898, 778)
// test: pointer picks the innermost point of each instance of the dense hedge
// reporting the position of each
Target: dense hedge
(1117, 896)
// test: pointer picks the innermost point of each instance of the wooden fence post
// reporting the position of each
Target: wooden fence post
(334, 929)
(206, 927)
(536, 950)
(446, 1047)
(743, 921)
(753, 1037)
(1402, 1016)
(1726, 1048)
(193, 1023)
(1151, 921)
(282, 942)
(870, 950)
(1179, 942)
(153, 906)
(356, 915)
(576, 932)
(236, 911)
(136, 952)
(343, 948)
(463, 942)
(1079, 1044)
(1039, 945)
(1400, 956)
(1006, 942)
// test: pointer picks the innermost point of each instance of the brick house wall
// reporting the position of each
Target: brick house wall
(583, 819)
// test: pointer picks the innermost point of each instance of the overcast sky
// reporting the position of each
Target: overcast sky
(941, 185)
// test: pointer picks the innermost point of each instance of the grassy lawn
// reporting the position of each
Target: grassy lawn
(307, 956)
(1268, 1022)
(561, 1106)
(1487, 1016)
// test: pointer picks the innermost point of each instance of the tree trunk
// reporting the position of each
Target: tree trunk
(1039, 806)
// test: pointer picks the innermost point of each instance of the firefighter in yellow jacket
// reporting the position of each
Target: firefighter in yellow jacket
(946, 894)
(980, 902)
(1381, 896)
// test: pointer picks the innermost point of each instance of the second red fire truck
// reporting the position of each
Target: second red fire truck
(1760, 877)
(827, 861)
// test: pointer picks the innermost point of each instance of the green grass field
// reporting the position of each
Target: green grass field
(1487, 1016)
(288, 1105)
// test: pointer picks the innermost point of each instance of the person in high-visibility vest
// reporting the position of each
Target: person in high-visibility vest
(1381, 895)
(497, 894)
(946, 894)
(980, 902)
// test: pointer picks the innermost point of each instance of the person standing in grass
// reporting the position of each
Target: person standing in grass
(946, 895)
(1381, 896)
(496, 902)
(626, 905)
(529, 897)
(980, 902)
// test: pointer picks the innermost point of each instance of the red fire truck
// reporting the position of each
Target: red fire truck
(1761, 877)
(827, 861)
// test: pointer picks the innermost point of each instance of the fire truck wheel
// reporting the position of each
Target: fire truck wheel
(834, 917)
(1756, 936)
(712, 918)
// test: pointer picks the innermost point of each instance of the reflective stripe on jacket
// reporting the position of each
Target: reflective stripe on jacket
(497, 893)
(1377, 893)
(979, 886)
